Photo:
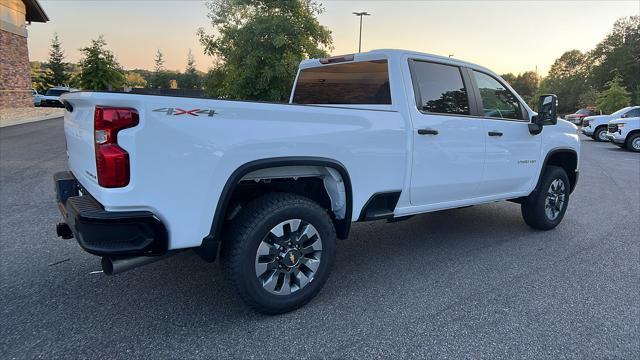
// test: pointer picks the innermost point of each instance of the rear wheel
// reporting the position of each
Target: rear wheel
(280, 252)
(546, 208)
(633, 142)
(600, 134)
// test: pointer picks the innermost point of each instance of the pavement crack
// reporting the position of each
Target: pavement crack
(59, 262)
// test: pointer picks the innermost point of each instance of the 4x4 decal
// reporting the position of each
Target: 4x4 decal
(193, 112)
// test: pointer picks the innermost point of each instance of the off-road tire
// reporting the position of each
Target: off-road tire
(534, 208)
(247, 231)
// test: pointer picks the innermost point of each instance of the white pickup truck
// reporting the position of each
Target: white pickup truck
(596, 126)
(624, 131)
(269, 187)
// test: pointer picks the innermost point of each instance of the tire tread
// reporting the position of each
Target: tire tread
(240, 231)
(533, 208)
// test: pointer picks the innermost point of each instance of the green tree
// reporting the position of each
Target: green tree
(191, 78)
(159, 77)
(40, 77)
(99, 68)
(588, 97)
(135, 79)
(509, 78)
(74, 71)
(213, 82)
(259, 43)
(567, 79)
(163, 79)
(158, 61)
(618, 55)
(527, 84)
(59, 75)
(615, 97)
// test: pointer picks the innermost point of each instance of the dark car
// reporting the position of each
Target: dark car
(52, 96)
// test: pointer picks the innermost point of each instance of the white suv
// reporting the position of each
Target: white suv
(625, 131)
(596, 126)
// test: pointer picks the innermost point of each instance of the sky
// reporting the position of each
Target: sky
(505, 36)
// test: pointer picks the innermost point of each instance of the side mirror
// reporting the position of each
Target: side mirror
(624, 116)
(547, 113)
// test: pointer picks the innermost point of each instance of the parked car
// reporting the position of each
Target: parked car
(579, 115)
(385, 134)
(52, 96)
(625, 131)
(37, 98)
(596, 126)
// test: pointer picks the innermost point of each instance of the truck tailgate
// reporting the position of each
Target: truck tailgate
(78, 130)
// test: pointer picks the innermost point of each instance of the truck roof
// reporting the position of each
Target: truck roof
(396, 53)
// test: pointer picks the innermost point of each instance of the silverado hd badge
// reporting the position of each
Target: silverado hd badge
(193, 112)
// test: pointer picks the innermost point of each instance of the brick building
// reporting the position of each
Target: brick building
(15, 77)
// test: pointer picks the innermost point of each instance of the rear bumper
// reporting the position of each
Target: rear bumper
(107, 233)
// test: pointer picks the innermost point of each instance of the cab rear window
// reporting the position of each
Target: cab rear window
(364, 83)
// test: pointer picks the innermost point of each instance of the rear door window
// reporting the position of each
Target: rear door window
(439, 88)
(364, 83)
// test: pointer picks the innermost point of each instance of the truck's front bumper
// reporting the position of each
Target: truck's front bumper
(107, 233)
(612, 137)
(587, 131)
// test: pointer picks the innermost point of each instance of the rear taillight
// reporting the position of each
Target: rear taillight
(112, 161)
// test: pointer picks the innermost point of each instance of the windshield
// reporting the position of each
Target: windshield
(583, 112)
(56, 92)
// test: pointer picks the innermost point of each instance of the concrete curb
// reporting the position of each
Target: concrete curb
(30, 120)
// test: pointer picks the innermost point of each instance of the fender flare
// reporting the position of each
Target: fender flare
(211, 241)
(546, 161)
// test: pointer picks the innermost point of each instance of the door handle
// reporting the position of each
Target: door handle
(495, 133)
(427, 132)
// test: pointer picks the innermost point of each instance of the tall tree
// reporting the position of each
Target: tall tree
(567, 79)
(58, 74)
(615, 97)
(99, 68)
(509, 78)
(40, 76)
(618, 55)
(191, 78)
(526, 84)
(158, 61)
(259, 43)
(159, 73)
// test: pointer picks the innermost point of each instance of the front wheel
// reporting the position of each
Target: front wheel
(633, 143)
(600, 134)
(280, 252)
(545, 209)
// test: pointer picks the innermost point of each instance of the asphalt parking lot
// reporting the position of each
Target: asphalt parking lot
(467, 283)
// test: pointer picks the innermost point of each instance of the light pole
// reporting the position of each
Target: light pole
(360, 14)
